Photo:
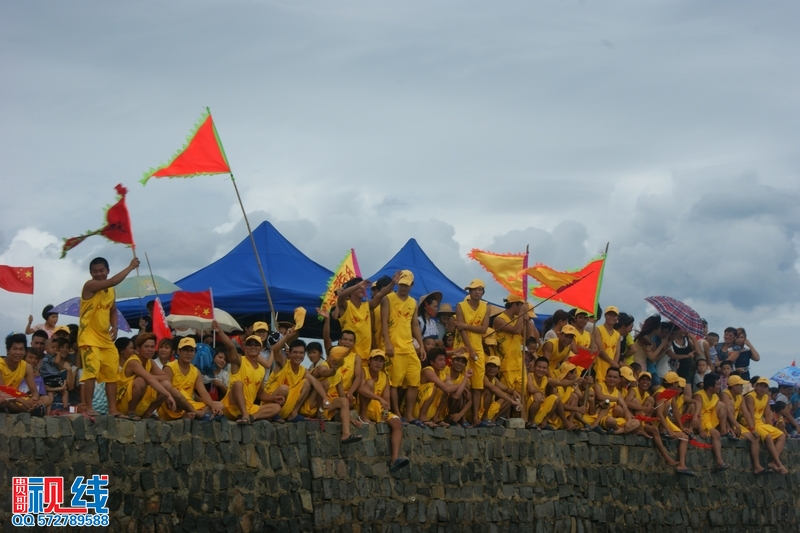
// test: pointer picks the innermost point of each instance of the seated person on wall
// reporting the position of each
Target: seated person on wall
(734, 401)
(711, 417)
(330, 379)
(376, 405)
(511, 327)
(542, 405)
(497, 398)
(568, 389)
(642, 404)
(613, 414)
(669, 414)
(13, 371)
(247, 374)
(458, 404)
(756, 403)
(435, 389)
(558, 349)
(186, 380)
(141, 386)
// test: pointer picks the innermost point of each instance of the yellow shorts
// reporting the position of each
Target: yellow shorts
(709, 420)
(405, 370)
(544, 409)
(309, 410)
(231, 410)
(512, 379)
(168, 414)
(375, 412)
(620, 422)
(478, 371)
(427, 391)
(494, 408)
(768, 430)
(292, 397)
(124, 398)
(100, 363)
(672, 426)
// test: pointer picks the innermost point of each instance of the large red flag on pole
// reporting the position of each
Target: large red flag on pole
(117, 228)
(160, 327)
(16, 279)
(580, 289)
(199, 304)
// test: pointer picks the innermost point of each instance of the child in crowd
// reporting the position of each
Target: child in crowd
(32, 359)
(726, 367)
(701, 370)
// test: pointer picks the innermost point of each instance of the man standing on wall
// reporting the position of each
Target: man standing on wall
(472, 320)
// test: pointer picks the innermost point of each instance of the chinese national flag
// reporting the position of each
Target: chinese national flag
(197, 304)
(16, 279)
(160, 327)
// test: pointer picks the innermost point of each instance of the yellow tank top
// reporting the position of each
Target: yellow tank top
(377, 328)
(509, 348)
(737, 403)
(13, 378)
(759, 406)
(251, 377)
(472, 317)
(380, 383)
(608, 392)
(640, 396)
(347, 371)
(455, 381)
(401, 312)
(708, 403)
(609, 346)
(556, 356)
(285, 376)
(184, 383)
(95, 320)
(541, 385)
(357, 320)
(583, 340)
(124, 381)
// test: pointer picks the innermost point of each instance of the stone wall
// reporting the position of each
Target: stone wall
(215, 476)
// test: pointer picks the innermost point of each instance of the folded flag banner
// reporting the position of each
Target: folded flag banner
(201, 155)
(117, 228)
(505, 269)
(549, 277)
(581, 290)
(347, 270)
(160, 327)
(16, 279)
(199, 304)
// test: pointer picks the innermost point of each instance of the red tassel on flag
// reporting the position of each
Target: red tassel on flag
(701, 445)
(12, 391)
(643, 418)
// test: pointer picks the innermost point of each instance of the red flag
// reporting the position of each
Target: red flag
(644, 418)
(701, 445)
(197, 304)
(667, 394)
(202, 154)
(583, 292)
(16, 279)
(12, 391)
(793, 363)
(583, 358)
(117, 228)
(160, 327)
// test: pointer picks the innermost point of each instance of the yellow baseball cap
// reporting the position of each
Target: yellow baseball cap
(255, 338)
(490, 338)
(647, 375)
(566, 367)
(475, 284)
(735, 380)
(765, 381)
(406, 277)
(338, 353)
(681, 383)
(514, 298)
(188, 341)
(611, 309)
(627, 373)
(258, 326)
(569, 330)
(671, 377)
(493, 360)
(377, 353)
(59, 329)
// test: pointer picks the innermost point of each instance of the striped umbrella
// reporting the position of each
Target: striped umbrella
(678, 313)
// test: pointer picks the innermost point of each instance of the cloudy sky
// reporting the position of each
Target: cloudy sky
(669, 129)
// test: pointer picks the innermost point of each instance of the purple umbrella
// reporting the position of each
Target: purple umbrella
(678, 313)
(72, 307)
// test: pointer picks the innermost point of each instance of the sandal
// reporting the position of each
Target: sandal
(352, 439)
(531, 425)
(464, 424)
(242, 421)
(133, 417)
(723, 466)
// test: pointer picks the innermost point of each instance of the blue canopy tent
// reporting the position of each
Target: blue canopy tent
(294, 280)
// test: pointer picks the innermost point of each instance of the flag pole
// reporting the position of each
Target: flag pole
(152, 277)
(138, 288)
(524, 342)
(255, 252)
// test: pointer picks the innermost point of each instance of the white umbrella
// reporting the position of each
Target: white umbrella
(225, 321)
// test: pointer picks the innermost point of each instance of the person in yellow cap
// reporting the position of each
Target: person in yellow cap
(459, 403)
(142, 386)
(558, 349)
(400, 329)
(733, 400)
(375, 406)
(626, 380)
(756, 404)
(186, 380)
(377, 325)
(244, 387)
(711, 417)
(669, 413)
(542, 405)
(472, 321)
(568, 385)
(498, 399)
(512, 327)
(579, 319)
(435, 388)
(355, 314)
(607, 340)
(614, 415)
(641, 404)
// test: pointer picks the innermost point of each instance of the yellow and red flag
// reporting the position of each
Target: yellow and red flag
(580, 289)
(117, 228)
(347, 270)
(199, 304)
(505, 269)
(549, 277)
(201, 155)
(16, 279)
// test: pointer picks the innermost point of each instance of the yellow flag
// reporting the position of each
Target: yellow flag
(299, 318)
(347, 270)
(504, 268)
(549, 277)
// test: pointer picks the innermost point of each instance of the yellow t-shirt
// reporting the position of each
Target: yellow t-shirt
(285, 376)
(509, 348)
(95, 320)
(357, 320)
(610, 342)
(251, 377)
(184, 383)
(13, 378)
(401, 312)
(472, 317)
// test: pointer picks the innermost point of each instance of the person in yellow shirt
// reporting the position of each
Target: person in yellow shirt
(641, 403)
(355, 314)
(583, 336)
(374, 393)
(568, 384)
(669, 412)
(13, 371)
(733, 400)
(711, 416)
(377, 324)
(607, 341)
(186, 381)
(142, 386)
(614, 415)
(497, 398)
(472, 321)
(756, 404)
(541, 404)
(435, 389)
(557, 350)
(97, 331)
(511, 327)
(400, 329)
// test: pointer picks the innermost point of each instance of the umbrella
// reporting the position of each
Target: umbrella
(72, 307)
(678, 313)
(789, 376)
(138, 286)
(225, 321)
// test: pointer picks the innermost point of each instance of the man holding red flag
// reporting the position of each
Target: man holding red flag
(97, 331)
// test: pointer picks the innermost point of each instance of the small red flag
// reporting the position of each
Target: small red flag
(644, 418)
(793, 362)
(160, 327)
(667, 394)
(701, 445)
(16, 279)
(583, 358)
(12, 391)
(117, 228)
(197, 304)
(685, 418)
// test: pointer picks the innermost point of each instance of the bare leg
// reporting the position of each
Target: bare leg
(394, 402)
(653, 433)
(237, 392)
(111, 396)
(87, 392)
(476, 406)
(139, 386)
(755, 448)
(717, 444)
(305, 388)
(267, 411)
(397, 437)
(411, 398)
